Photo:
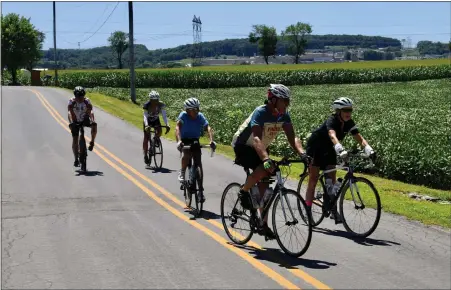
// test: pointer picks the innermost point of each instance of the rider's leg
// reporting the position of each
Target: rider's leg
(74, 132)
(185, 160)
(93, 135)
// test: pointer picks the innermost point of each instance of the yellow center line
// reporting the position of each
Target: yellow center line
(257, 264)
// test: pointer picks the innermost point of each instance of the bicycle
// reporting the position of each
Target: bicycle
(155, 146)
(328, 204)
(82, 151)
(255, 221)
(196, 175)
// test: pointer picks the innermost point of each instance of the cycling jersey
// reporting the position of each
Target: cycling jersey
(192, 129)
(151, 116)
(321, 134)
(271, 125)
(80, 109)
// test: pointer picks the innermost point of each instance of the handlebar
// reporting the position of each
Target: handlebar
(159, 126)
(200, 146)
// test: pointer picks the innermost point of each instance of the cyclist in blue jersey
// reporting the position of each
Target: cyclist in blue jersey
(190, 126)
(253, 137)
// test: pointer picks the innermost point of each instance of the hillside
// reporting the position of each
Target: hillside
(102, 57)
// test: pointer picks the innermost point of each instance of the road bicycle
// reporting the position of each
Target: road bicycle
(155, 146)
(82, 150)
(293, 212)
(325, 202)
(194, 184)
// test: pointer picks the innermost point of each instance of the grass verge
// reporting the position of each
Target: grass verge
(394, 194)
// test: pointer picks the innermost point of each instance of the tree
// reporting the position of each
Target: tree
(296, 33)
(266, 37)
(119, 44)
(21, 44)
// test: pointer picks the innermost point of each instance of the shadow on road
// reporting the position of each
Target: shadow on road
(358, 240)
(279, 257)
(208, 215)
(160, 170)
(89, 173)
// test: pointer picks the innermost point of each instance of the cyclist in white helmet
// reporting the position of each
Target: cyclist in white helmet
(324, 146)
(152, 109)
(253, 137)
(190, 125)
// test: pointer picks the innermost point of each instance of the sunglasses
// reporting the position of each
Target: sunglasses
(347, 110)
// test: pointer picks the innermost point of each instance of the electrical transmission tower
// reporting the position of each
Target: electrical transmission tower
(197, 41)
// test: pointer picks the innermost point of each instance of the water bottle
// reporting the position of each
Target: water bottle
(329, 187)
(336, 186)
(255, 196)
(268, 193)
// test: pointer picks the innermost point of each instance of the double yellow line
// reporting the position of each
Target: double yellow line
(99, 150)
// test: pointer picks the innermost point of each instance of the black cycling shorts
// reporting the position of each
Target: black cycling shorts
(247, 157)
(152, 124)
(322, 153)
(75, 128)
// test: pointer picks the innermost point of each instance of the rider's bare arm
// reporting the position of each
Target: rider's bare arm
(71, 114)
(210, 132)
(146, 118)
(177, 131)
(333, 137)
(294, 141)
(258, 144)
(359, 138)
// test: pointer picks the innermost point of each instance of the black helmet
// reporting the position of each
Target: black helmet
(79, 91)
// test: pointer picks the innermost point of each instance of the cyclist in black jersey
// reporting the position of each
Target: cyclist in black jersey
(151, 118)
(324, 144)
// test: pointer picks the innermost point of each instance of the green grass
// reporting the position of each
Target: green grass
(344, 65)
(393, 193)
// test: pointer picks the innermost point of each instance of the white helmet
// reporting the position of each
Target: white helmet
(154, 95)
(191, 103)
(279, 91)
(341, 103)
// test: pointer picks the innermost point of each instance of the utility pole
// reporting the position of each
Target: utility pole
(131, 51)
(54, 44)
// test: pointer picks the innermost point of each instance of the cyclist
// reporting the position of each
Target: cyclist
(324, 146)
(253, 137)
(152, 109)
(190, 125)
(80, 113)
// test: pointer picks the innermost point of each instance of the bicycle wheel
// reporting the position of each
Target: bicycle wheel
(235, 214)
(83, 153)
(362, 191)
(198, 189)
(293, 211)
(158, 153)
(317, 204)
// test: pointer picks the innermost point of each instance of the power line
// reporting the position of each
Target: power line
(102, 24)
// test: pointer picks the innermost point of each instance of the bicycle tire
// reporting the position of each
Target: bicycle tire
(83, 153)
(300, 202)
(223, 218)
(316, 202)
(160, 146)
(378, 207)
(198, 186)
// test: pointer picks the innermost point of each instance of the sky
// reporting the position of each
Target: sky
(169, 24)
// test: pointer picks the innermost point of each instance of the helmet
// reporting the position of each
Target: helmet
(79, 91)
(342, 102)
(154, 95)
(191, 103)
(279, 91)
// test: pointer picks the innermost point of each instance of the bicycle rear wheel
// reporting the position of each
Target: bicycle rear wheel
(158, 153)
(233, 212)
(293, 212)
(317, 203)
(363, 195)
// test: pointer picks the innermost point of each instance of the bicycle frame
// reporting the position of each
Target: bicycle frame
(192, 164)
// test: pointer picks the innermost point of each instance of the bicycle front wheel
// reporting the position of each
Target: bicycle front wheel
(364, 202)
(317, 203)
(234, 218)
(83, 153)
(199, 191)
(293, 220)
(158, 153)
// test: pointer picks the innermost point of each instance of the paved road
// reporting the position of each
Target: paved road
(124, 226)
